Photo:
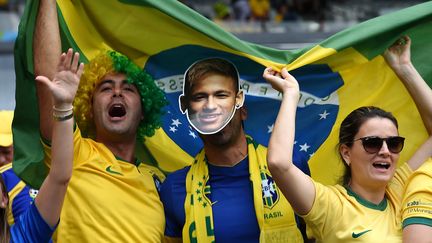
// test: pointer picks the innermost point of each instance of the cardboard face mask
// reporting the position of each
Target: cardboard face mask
(211, 95)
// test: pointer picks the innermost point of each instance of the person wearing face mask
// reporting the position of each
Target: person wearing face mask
(227, 194)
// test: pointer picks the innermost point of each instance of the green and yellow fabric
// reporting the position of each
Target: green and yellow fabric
(164, 37)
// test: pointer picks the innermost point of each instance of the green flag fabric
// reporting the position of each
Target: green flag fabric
(339, 74)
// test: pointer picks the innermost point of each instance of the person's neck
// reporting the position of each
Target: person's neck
(374, 195)
(123, 149)
(228, 155)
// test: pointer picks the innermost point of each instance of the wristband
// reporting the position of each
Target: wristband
(58, 117)
(62, 110)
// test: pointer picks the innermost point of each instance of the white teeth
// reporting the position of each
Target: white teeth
(385, 165)
(381, 163)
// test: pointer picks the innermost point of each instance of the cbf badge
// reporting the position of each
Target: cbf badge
(33, 193)
(270, 193)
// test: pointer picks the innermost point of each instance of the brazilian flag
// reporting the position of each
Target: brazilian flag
(341, 73)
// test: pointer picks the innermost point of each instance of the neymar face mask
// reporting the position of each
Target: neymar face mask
(211, 95)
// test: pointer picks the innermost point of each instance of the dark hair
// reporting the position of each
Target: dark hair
(4, 226)
(205, 67)
(153, 99)
(350, 127)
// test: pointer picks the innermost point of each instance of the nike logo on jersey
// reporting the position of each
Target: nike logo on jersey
(109, 170)
(357, 235)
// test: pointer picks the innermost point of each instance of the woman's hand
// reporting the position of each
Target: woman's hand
(282, 82)
(398, 55)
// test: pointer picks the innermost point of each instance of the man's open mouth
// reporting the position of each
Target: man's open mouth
(117, 110)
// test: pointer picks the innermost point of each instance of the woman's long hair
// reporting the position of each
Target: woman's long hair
(4, 226)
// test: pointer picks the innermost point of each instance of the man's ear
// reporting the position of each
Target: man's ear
(345, 152)
(240, 97)
(183, 103)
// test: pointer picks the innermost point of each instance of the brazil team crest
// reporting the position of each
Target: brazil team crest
(270, 192)
(33, 193)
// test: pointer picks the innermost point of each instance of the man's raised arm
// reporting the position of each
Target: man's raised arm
(46, 53)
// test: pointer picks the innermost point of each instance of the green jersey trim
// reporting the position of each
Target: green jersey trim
(381, 206)
(417, 220)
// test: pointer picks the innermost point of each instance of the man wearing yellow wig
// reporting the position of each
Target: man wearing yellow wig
(112, 197)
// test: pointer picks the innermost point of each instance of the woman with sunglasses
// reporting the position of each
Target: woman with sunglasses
(366, 207)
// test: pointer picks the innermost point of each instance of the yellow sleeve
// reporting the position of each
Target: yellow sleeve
(417, 200)
(324, 212)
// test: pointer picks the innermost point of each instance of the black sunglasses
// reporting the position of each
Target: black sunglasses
(373, 144)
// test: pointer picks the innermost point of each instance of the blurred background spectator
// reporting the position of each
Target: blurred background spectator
(12, 5)
(327, 11)
(6, 141)
(260, 9)
(222, 10)
(241, 10)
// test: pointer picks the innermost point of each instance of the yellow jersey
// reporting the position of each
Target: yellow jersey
(108, 199)
(417, 201)
(340, 215)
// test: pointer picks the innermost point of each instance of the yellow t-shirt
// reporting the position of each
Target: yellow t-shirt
(109, 200)
(339, 215)
(417, 201)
